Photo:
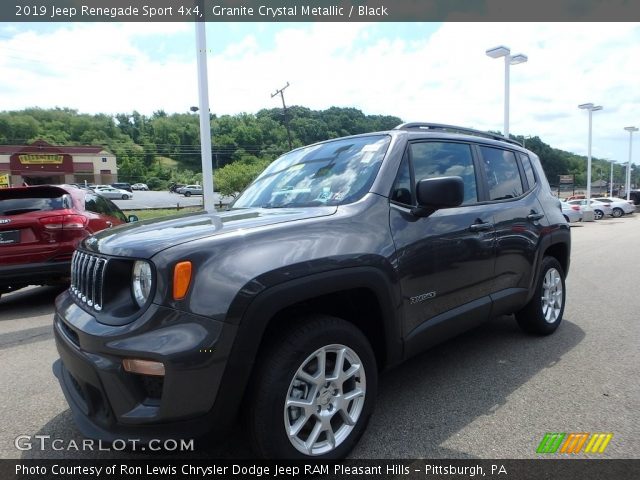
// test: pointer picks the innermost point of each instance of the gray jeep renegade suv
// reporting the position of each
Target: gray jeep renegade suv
(340, 260)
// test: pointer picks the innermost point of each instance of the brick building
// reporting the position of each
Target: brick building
(42, 163)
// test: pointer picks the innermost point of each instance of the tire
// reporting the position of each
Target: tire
(617, 212)
(288, 371)
(543, 313)
(187, 194)
(598, 214)
(125, 197)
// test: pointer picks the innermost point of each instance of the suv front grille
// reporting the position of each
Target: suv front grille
(87, 274)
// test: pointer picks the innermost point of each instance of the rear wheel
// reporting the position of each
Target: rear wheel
(314, 391)
(618, 212)
(543, 313)
(598, 214)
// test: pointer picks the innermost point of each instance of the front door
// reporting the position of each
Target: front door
(445, 261)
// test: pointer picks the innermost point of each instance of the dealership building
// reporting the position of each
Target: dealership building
(42, 163)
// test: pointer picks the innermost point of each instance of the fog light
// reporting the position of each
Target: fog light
(143, 367)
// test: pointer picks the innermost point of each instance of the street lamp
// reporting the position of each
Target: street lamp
(611, 180)
(509, 60)
(588, 211)
(627, 186)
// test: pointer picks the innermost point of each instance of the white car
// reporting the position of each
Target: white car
(600, 209)
(620, 206)
(110, 192)
(139, 186)
(572, 213)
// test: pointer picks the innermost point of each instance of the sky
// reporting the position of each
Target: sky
(433, 72)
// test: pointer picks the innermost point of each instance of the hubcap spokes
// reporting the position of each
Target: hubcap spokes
(552, 295)
(325, 400)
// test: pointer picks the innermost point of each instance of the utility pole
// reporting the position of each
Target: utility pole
(284, 112)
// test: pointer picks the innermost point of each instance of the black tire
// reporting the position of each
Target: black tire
(187, 194)
(534, 317)
(598, 214)
(276, 381)
(125, 196)
(617, 212)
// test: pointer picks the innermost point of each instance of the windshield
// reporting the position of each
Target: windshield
(331, 173)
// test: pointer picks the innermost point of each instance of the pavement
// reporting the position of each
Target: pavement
(491, 393)
(164, 199)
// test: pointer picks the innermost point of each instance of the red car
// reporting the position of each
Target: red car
(41, 226)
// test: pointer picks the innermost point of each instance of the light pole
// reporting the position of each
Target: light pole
(588, 217)
(627, 185)
(611, 180)
(509, 60)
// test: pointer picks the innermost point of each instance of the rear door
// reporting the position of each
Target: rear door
(24, 212)
(511, 199)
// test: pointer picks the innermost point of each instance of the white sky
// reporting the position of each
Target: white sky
(416, 71)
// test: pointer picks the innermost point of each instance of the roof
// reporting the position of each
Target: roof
(41, 144)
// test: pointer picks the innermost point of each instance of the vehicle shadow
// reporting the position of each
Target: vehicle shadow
(420, 404)
(430, 398)
(29, 302)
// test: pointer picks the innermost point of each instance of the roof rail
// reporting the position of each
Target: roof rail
(454, 129)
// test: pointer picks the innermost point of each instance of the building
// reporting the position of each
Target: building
(43, 163)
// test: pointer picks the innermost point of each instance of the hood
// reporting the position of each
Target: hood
(145, 239)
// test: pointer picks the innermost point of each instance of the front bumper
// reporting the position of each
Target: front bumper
(108, 403)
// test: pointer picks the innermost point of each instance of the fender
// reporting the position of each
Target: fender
(560, 236)
(255, 316)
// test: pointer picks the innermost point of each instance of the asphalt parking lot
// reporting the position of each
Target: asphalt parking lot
(164, 199)
(491, 393)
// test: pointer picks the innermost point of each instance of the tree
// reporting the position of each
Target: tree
(235, 177)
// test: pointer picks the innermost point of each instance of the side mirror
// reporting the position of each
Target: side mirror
(436, 193)
(132, 218)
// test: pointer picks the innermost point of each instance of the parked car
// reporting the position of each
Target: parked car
(340, 260)
(139, 186)
(619, 206)
(189, 190)
(122, 186)
(110, 192)
(600, 209)
(40, 227)
(572, 213)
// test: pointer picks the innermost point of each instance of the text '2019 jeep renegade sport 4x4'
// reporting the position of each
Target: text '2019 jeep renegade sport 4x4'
(341, 259)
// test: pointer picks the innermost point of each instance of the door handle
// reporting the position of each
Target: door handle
(535, 215)
(479, 227)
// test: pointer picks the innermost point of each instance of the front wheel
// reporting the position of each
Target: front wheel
(543, 313)
(314, 391)
(617, 212)
(187, 194)
(125, 197)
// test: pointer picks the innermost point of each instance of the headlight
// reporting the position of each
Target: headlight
(141, 282)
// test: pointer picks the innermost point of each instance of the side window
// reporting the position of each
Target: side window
(91, 204)
(401, 192)
(528, 170)
(441, 159)
(502, 172)
(114, 211)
